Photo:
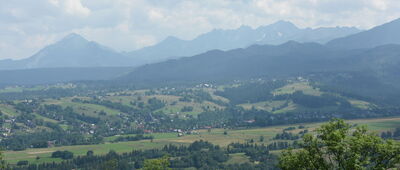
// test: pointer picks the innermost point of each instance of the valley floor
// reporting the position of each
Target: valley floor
(215, 136)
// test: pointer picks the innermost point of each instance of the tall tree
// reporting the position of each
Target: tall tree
(337, 146)
(2, 162)
(157, 164)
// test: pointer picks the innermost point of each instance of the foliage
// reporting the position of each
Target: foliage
(199, 154)
(96, 112)
(62, 154)
(325, 100)
(157, 164)
(286, 136)
(250, 92)
(132, 138)
(187, 109)
(336, 146)
(23, 162)
(2, 162)
(391, 135)
(42, 139)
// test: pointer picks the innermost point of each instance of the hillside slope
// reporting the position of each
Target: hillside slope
(381, 35)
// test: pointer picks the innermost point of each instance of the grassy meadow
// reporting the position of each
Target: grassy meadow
(215, 136)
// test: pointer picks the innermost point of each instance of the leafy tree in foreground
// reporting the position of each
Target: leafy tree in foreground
(337, 146)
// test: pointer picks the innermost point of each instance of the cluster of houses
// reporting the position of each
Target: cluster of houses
(204, 85)
(6, 131)
(181, 132)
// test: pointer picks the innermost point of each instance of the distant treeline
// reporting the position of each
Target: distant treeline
(132, 138)
(199, 155)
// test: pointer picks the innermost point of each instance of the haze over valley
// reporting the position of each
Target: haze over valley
(199, 85)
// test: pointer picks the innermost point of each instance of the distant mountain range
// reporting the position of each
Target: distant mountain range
(374, 53)
(75, 51)
(71, 51)
(274, 34)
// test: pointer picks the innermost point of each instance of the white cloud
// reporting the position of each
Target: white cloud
(26, 26)
(55, 2)
(381, 5)
(155, 14)
(75, 7)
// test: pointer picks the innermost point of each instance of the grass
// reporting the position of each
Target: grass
(360, 104)
(300, 86)
(291, 107)
(271, 106)
(18, 89)
(8, 110)
(278, 106)
(122, 99)
(170, 108)
(45, 153)
(212, 91)
(216, 136)
(11, 90)
(378, 125)
(86, 108)
(197, 107)
(237, 158)
(266, 105)
(44, 118)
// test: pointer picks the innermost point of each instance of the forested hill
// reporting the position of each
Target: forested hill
(289, 59)
(59, 75)
(254, 61)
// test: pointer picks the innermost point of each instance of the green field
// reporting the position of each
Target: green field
(300, 86)
(237, 158)
(8, 110)
(216, 136)
(173, 106)
(45, 154)
(285, 106)
(20, 89)
(277, 106)
(88, 109)
(12, 89)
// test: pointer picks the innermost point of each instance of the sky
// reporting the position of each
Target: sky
(26, 26)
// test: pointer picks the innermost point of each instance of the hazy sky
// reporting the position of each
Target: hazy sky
(28, 25)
